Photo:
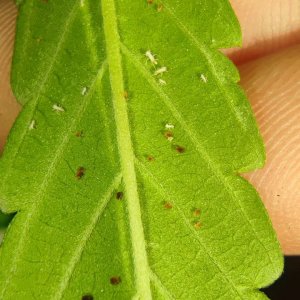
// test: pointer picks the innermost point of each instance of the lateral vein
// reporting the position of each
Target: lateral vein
(34, 102)
(161, 189)
(86, 236)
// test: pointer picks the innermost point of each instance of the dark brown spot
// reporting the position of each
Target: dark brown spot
(80, 172)
(196, 212)
(115, 280)
(197, 225)
(150, 158)
(168, 205)
(278, 195)
(119, 195)
(87, 297)
(79, 133)
(150, 1)
(180, 149)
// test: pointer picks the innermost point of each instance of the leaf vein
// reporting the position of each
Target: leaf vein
(102, 205)
(205, 53)
(34, 102)
(161, 287)
(164, 193)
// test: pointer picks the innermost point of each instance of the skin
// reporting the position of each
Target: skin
(269, 63)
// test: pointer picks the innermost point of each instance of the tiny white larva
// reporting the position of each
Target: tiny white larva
(151, 57)
(57, 108)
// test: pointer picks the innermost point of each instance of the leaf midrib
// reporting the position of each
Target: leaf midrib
(140, 259)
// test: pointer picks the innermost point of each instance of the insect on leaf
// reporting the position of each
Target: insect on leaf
(123, 166)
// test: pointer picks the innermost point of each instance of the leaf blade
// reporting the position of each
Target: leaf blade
(175, 247)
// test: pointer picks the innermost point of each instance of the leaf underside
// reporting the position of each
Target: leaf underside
(126, 183)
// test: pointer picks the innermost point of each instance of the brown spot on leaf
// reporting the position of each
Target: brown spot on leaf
(196, 212)
(119, 195)
(115, 280)
(169, 135)
(150, 1)
(197, 225)
(168, 205)
(80, 172)
(180, 149)
(79, 133)
(150, 158)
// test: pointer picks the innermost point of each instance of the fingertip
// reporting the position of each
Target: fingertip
(267, 26)
(272, 84)
(8, 105)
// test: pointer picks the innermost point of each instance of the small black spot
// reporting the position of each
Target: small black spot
(87, 297)
(119, 195)
(278, 195)
(115, 280)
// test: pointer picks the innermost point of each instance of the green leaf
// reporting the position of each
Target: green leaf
(126, 183)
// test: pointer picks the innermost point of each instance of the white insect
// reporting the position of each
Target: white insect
(203, 78)
(84, 90)
(162, 82)
(160, 71)
(151, 57)
(57, 108)
(32, 125)
(170, 138)
(169, 126)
